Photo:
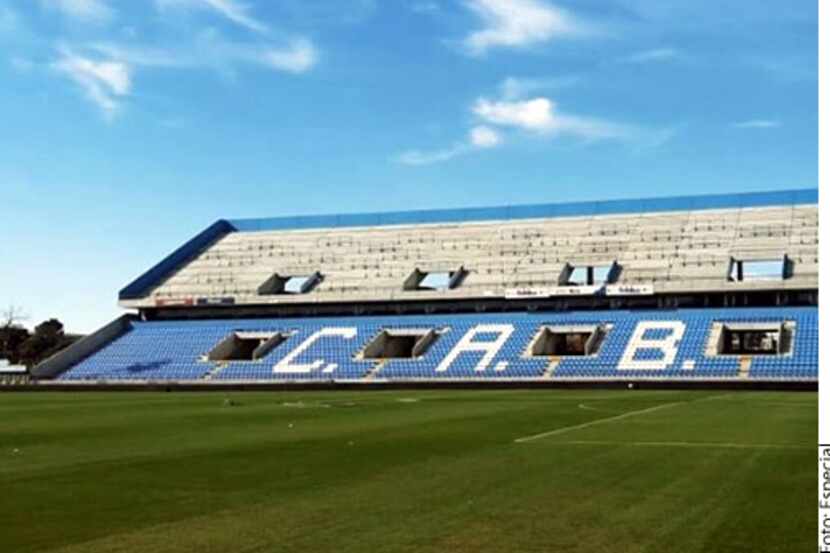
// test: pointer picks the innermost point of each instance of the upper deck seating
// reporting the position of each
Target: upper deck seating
(675, 251)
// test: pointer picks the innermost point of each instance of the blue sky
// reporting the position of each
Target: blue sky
(128, 126)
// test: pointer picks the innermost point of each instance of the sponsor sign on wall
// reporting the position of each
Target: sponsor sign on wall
(556, 291)
(629, 290)
(216, 301)
(576, 290)
(174, 302)
(518, 293)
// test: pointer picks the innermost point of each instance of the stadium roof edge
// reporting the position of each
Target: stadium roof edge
(531, 211)
(147, 281)
(143, 284)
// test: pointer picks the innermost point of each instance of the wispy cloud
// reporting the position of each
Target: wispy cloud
(496, 120)
(654, 55)
(104, 70)
(103, 81)
(515, 88)
(480, 138)
(234, 11)
(539, 115)
(212, 50)
(757, 124)
(298, 57)
(485, 137)
(92, 11)
(420, 157)
(520, 23)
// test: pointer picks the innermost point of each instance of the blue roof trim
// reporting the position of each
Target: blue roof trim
(141, 286)
(611, 207)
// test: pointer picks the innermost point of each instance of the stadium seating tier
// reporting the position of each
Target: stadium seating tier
(653, 344)
(678, 251)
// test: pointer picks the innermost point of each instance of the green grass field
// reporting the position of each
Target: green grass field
(615, 471)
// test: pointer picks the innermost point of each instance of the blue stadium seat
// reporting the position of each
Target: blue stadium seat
(176, 350)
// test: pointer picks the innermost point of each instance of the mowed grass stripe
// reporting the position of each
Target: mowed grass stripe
(182, 473)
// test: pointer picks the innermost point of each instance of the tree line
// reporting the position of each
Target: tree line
(21, 347)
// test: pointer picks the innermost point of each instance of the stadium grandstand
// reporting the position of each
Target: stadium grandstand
(686, 289)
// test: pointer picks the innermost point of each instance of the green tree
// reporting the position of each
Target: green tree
(11, 338)
(47, 339)
(12, 333)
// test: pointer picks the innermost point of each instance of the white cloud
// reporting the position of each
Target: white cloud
(104, 70)
(298, 57)
(594, 128)
(532, 115)
(757, 124)
(652, 56)
(484, 137)
(212, 50)
(418, 157)
(92, 11)
(519, 23)
(143, 56)
(231, 9)
(539, 115)
(479, 138)
(103, 81)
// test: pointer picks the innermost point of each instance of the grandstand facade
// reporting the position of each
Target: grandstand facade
(715, 288)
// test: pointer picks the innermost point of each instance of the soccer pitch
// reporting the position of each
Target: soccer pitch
(501, 471)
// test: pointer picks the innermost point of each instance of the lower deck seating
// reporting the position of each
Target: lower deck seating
(667, 344)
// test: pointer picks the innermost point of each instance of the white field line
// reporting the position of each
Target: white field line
(731, 445)
(618, 417)
(710, 398)
(597, 421)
